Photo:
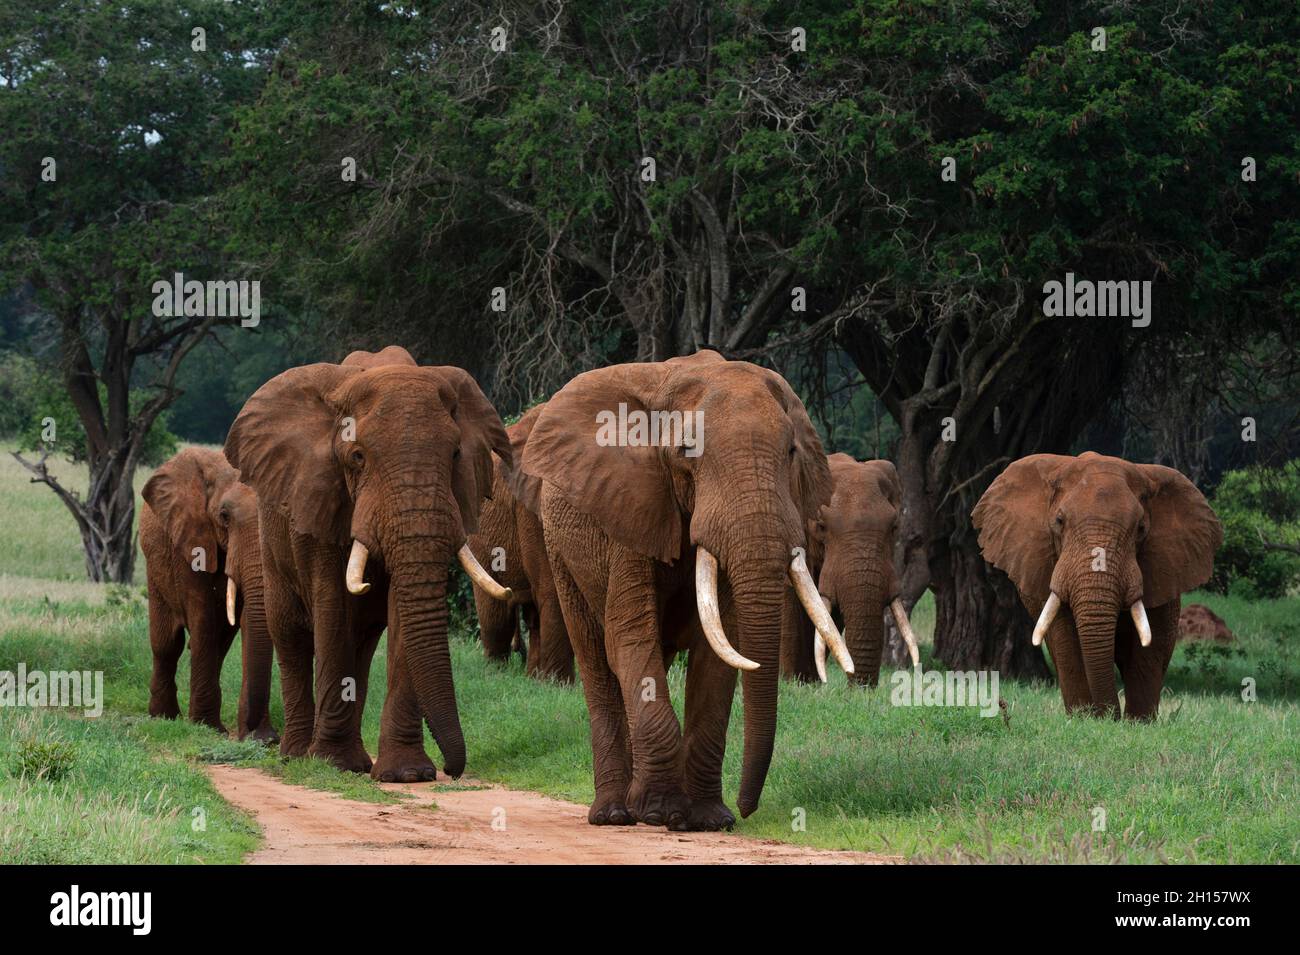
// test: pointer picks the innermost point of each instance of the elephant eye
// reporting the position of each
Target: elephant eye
(1059, 520)
(455, 455)
(793, 450)
(358, 458)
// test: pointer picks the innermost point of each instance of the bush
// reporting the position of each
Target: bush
(1257, 505)
(50, 760)
(30, 394)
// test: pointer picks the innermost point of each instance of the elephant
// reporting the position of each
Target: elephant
(661, 539)
(510, 535)
(851, 553)
(376, 466)
(1101, 551)
(199, 526)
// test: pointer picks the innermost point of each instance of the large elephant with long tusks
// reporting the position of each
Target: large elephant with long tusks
(370, 475)
(851, 555)
(1101, 551)
(674, 499)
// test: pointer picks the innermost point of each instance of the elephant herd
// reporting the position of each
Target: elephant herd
(345, 491)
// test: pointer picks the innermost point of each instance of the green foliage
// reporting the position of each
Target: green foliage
(31, 395)
(1258, 507)
(44, 759)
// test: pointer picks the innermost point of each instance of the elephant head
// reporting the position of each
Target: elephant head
(390, 461)
(187, 494)
(702, 459)
(1102, 537)
(855, 534)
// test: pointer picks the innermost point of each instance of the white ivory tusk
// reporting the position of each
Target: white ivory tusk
(481, 577)
(357, 569)
(806, 590)
(706, 604)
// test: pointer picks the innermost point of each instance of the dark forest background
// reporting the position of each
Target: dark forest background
(383, 168)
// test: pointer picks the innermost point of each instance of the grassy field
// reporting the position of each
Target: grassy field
(1215, 779)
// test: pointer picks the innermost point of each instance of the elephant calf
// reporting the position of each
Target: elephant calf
(1101, 551)
(199, 533)
(851, 553)
(510, 531)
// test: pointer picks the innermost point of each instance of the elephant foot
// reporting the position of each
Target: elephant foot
(609, 811)
(350, 757)
(214, 722)
(659, 805)
(164, 707)
(709, 815)
(403, 764)
(264, 734)
(293, 746)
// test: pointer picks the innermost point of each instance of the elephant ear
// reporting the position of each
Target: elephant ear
(1014, 522)
(1184, 534)
(886, 476)
(179, 493)
(282, 442)
(526, 488)
(813, 484)
(481, 435)
(627, 490)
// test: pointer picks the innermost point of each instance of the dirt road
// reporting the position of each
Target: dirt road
(475, 826)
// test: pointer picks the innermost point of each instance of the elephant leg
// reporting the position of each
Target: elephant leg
(1143, 668)
(710, 687)
(209, 642)
(340, 689)
(496, 624)
(167, 640)
(291, 636)
(402, 757)
(611, 755)
(554, 651)
(797, 661)
(1067, 657)
(634, 645)
(533, 651)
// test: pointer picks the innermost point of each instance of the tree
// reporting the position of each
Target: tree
(908, 174)
(113, 113)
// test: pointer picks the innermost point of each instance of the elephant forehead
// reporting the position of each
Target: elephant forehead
(395, 390)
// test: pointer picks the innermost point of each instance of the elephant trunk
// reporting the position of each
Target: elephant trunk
(1096, 613)
(257, 653)
(418, 595)
(758, 592)
(862, 608)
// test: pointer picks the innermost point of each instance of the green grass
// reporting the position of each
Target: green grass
(1215, 779)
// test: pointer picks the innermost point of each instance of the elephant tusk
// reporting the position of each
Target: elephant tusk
(357, 569)
(230, 600)
(1046, 617)
(819, 646)
(481, 577)
(821, 618)
(1140, 621)
(905, 628)
(706, 603)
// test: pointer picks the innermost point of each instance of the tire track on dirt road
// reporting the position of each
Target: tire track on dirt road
(455, 825)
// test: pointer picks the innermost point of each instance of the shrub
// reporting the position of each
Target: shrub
(50, 760)
(1258, 505)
